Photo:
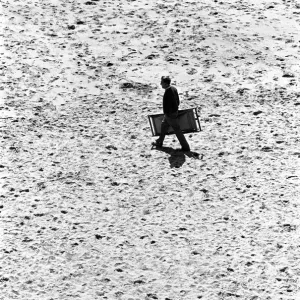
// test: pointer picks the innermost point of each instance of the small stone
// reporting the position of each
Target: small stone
(182, 229)
(151, 56)
(109, 147)
(99, 236)
(39, 215)
(256, 113)
(152, 296)
(191, 71)
(288, 75)
(139, 281)
(71, 27)
(170, 59)
(27, 239)
(127, 85)
(241, 91)
(266, 149)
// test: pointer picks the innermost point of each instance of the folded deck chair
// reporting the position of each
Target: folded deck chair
(188, 121)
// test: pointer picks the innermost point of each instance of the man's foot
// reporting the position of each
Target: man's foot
(157, 143)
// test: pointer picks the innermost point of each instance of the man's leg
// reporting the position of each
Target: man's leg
(180, 136)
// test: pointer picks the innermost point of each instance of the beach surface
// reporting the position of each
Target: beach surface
(89, 210)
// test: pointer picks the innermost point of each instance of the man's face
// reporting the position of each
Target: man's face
(163, 84)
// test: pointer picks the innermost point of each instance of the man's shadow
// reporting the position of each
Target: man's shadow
(177, 157)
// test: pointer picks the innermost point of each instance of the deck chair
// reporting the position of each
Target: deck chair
(188, 121)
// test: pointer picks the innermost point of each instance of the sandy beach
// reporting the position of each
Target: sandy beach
(88, 210)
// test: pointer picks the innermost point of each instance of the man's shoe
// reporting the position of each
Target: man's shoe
(157, 143)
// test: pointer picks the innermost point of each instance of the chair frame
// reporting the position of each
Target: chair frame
(195, 111)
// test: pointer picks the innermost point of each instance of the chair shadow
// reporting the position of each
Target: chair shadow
(177, 157)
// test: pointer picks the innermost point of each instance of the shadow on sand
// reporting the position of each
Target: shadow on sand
(177, 157)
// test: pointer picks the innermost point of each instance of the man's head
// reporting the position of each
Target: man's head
(165, 82)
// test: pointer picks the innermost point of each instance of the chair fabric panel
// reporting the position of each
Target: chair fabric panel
(187, 120)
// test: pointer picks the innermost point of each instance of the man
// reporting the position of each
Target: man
(170, 108)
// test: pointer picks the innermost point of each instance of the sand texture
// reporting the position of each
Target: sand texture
(89, 211)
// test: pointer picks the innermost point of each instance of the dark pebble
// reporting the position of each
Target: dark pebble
(138, 281)
(119, 270)
(99, 236)
(257, 112)
(126, 85)
(153, 296)
(266, 149)
(288, 75)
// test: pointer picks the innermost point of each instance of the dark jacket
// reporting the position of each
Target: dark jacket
(170, 100)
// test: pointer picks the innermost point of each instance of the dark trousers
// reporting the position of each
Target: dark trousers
(172, 120)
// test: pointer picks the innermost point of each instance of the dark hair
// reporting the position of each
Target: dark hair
(166, 79)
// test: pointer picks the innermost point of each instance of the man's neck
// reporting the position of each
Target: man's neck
(168, 87)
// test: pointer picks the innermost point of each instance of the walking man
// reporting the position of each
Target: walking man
(170, 108)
